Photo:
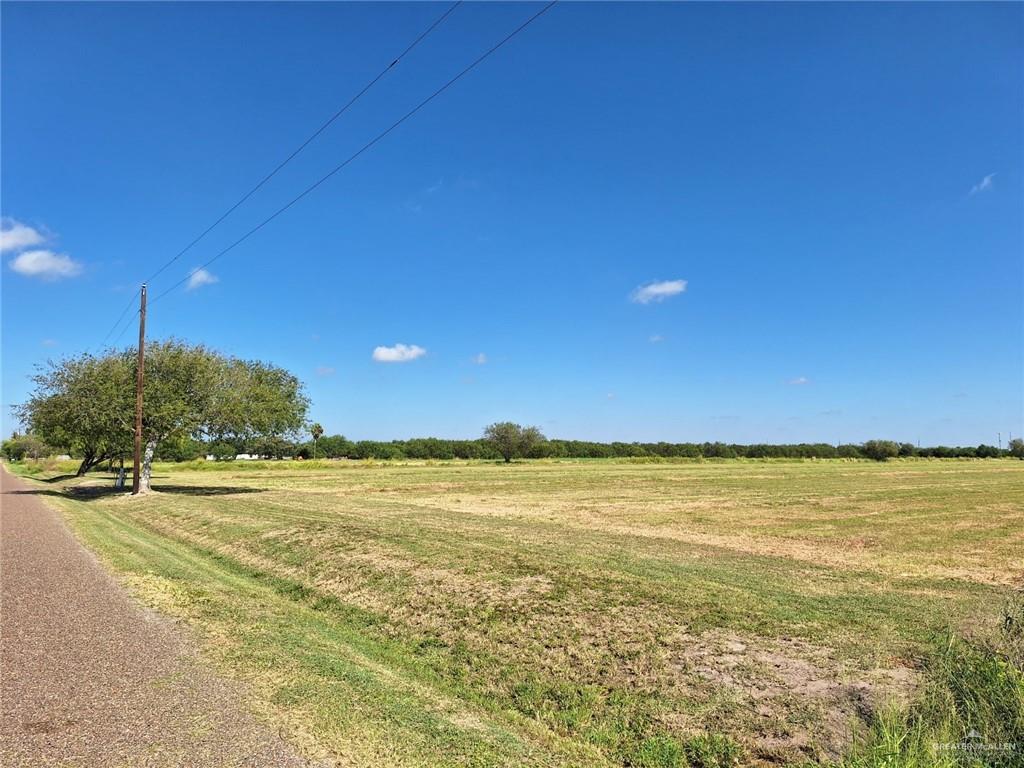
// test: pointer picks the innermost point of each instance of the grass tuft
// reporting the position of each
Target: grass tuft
(712, 751)
(971, 713)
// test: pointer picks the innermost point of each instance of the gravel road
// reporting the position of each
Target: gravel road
(90, 678)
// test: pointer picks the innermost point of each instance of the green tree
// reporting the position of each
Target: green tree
(78, 405)
(183, 448)
(335, 446)
(274, 447)
(1016, 448)
(192, 390)
(189, 391)
(718, 451)
(512, 441)
(13, 448)
(223, 451)
(20, 447)
(316, 431)
(881, 450)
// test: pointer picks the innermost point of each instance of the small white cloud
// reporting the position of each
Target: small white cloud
(984, 185)
(610, 396)
(656, 338)
(199, 277)
(14, 235)
(39, 262)
(324, 370)
(799, 381)
(400, 353)
(46, 265)
(658, 291)
(49, 342)
(480, 359)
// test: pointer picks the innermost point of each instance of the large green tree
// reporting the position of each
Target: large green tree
(511, 440)
(190, 391)
(78, 405)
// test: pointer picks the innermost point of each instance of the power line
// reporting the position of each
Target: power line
(306, 143)
(365, 147)
(117, 322)
(125, 327)
(283, 163)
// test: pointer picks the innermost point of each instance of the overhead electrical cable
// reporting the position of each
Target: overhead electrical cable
(126, 325)
(394, 62)
(363, 149)
(131, 302)
(304, 144)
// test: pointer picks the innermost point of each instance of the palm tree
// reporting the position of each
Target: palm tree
(317, 432)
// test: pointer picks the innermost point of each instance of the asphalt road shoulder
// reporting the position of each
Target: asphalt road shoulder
(88, 677)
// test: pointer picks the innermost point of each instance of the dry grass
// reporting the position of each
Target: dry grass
(573, 613)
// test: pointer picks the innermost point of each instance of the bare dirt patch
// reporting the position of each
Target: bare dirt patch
(801, 700)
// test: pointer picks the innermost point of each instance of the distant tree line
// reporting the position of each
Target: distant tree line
(340, 447)
(506, 441)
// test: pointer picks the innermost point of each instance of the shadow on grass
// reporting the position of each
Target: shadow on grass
(55, 479)
(205, 490)
(93, 492)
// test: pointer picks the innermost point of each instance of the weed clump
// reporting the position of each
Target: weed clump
(971, 713)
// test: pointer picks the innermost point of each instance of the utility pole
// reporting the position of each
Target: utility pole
(137, 469)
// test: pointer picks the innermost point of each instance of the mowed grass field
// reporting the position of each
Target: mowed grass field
(583, 613)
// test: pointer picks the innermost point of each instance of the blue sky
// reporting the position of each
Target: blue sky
(752, 223)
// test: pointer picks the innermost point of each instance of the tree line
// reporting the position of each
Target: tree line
(338, 446)
(187, 448)
(199, 403)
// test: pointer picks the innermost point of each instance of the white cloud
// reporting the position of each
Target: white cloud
(984, 185)
(45, 264)
(199, 277)
(656, 338)
(658, 291)
(324, 370)
(480, 359)
(400, 353)
(14, 235)
(799, 381)
(38, 262)
(49, 342)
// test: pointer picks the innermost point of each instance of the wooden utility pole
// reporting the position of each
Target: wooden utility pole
(137, 469)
